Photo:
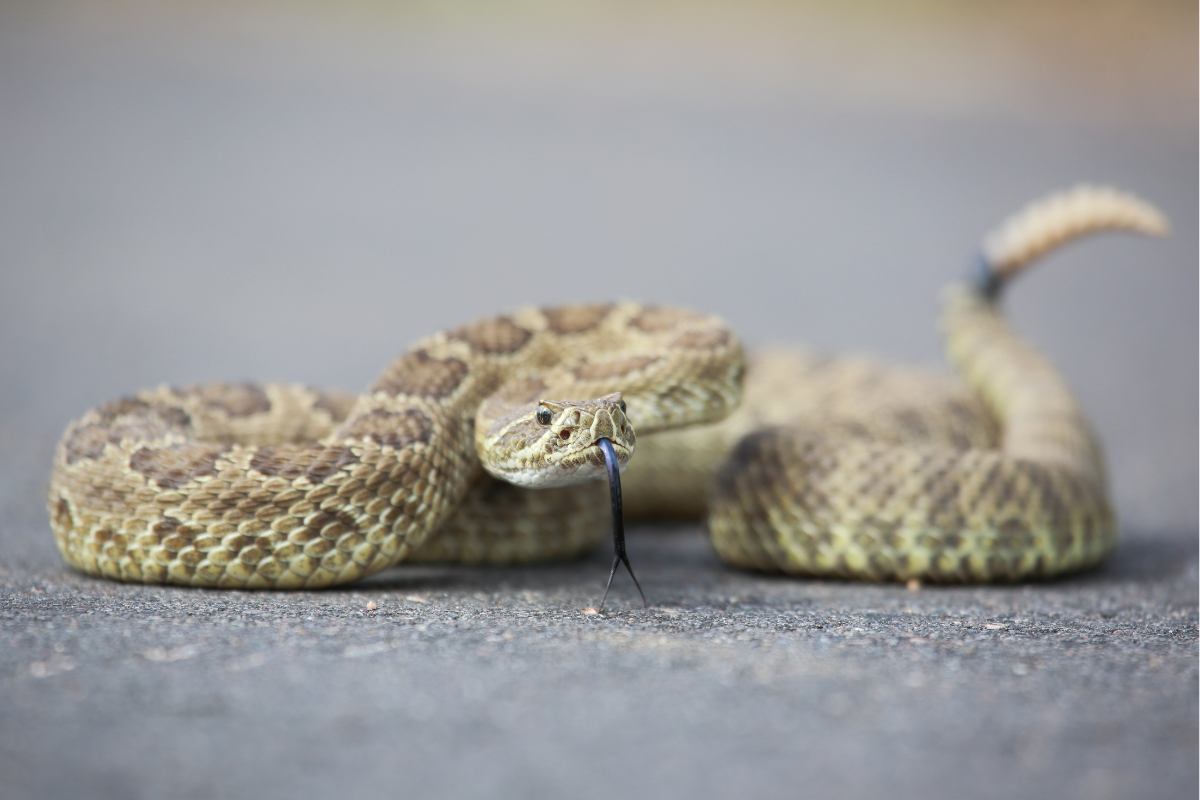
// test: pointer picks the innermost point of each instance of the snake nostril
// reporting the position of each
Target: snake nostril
(564, 434)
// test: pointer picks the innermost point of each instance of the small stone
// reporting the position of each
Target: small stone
(371, 605)
(50, 667)
(913, 585)
(590, 611)
(996, 626)
(170, 655)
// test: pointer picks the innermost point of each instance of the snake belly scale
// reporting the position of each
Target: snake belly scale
(479, 444)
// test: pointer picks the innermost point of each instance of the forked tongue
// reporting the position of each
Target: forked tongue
(614, 488)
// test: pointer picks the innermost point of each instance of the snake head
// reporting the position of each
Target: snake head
(555, 442)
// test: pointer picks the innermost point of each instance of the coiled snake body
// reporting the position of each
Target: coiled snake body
(828, 467)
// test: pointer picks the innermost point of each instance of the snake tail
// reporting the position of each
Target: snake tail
(1054, 220)
(1033, 503)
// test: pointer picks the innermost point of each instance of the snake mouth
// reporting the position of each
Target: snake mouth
(622, 452)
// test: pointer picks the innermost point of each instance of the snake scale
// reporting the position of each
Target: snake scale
(827, 466)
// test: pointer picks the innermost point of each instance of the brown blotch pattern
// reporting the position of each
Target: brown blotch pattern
(656, 319)
(133, 409)
(703, 339)
(121, 407)
(173, 466)
(129, 419)
(316, 464)
(418, 373)
(576, 319)
(62, 513)
(496, 336)
(235, 399)
(336, 404)
(85, 442)
(396, 429)
(614, 368)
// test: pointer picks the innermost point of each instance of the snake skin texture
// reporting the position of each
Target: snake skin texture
(283, 487)
(833, 467)
(877, 472)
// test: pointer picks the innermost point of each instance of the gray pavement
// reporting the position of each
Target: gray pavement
(191, 195)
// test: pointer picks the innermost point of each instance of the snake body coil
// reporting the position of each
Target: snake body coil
(830, 467)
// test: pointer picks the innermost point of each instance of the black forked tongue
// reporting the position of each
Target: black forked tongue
(614, 488)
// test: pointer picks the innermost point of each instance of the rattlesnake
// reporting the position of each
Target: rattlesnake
(829, 467)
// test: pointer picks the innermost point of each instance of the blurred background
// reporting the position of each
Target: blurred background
(295, 191)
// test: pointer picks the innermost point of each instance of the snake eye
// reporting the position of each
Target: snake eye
(544, 416)
(622, 405)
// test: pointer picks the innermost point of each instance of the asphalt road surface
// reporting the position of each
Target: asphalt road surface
(189, 196)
